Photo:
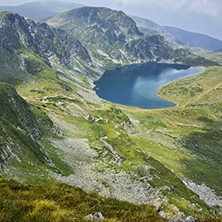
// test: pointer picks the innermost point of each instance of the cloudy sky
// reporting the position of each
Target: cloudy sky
(201, 16)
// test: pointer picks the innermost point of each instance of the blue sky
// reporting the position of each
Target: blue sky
(201, 16)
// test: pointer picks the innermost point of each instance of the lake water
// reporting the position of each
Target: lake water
(137, 85)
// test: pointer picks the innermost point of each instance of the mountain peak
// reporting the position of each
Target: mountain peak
(104, 20)
(112, 37)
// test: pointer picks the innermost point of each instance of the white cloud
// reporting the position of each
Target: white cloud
(172, 4)
(207, 7)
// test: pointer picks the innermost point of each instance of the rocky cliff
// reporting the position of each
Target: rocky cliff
(19, 129)
(18, 34)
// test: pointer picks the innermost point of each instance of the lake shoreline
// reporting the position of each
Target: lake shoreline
(174, 81)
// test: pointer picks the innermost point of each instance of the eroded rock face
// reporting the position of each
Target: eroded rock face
(15, 107)
(19, 129)
(56, 46)
(14, 32)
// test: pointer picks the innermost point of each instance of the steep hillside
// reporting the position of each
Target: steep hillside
(56, 44)
(14, 34)
(101, 30)
(25, 58)
(20, 153)
(19, 38)
(149, 27)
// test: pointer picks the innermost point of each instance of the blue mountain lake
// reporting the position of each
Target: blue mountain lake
(137, 85)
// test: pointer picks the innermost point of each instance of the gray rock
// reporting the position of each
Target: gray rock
(184, 219)
(190, 218)
(95, 217)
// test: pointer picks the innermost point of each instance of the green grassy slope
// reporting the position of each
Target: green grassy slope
(64, 203)
(213, 56)
(197, 124)
(22, 156)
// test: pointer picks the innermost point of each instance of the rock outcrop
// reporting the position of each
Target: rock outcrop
(19, 130)
(95, 217)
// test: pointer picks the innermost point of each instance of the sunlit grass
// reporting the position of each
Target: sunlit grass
(64, 203)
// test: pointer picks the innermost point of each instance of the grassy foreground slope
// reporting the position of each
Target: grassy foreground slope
(61, 202)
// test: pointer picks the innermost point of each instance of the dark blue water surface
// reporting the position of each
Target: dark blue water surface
(137, 85)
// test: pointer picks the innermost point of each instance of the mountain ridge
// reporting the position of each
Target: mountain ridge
(178, 37)
(148, 27)
(101, 34)
(191, 39)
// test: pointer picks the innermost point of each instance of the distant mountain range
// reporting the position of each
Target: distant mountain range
(191, 39)
(176, 37)
(41, 10)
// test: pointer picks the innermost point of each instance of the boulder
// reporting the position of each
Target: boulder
(95, 217)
